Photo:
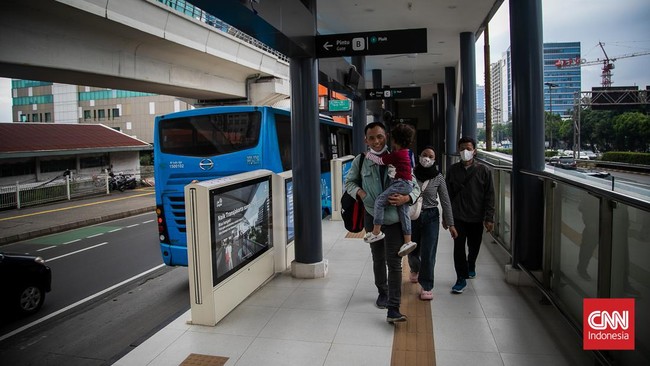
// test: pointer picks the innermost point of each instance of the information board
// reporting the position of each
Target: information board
(240, 224)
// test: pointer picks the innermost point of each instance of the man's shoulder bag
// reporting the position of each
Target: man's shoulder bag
(352, 209)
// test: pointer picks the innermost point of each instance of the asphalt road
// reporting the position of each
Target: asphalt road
(110, 292)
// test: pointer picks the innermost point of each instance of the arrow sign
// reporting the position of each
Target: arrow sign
(372, 43)
(393, 93)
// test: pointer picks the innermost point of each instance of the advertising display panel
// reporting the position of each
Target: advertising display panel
(241, 222)
(288, 188)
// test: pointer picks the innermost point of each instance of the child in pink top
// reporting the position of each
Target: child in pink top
(401, 138)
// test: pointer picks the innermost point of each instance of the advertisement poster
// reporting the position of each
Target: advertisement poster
(241, 225)
(289, 200)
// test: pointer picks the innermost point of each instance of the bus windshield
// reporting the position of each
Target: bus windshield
(210, 135)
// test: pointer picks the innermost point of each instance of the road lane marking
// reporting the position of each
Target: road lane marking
(130, 226)
(71, 241)
(148, 221)
(75, 252)
(49, 316)
(114, 230)
(72, 207)
(46, 248)
(94, 236)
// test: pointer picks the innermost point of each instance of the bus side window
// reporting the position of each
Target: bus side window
(283, 130)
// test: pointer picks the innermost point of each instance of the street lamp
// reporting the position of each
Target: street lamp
(550, 107)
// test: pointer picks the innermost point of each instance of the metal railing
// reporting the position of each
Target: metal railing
(192, 11)
(595, 244)
(64, 187)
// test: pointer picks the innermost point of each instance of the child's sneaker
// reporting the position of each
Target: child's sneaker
(406, 248)
(426, 295)
(371, 238)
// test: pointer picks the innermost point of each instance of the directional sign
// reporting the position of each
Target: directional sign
(336, 105)
(393, 93)
(372, 43)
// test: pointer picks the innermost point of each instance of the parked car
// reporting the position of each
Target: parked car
(24, 280)
(564, 162)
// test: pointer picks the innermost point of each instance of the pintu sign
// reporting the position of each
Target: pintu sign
(372, 43)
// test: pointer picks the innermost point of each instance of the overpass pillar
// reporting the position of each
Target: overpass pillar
(528, 132)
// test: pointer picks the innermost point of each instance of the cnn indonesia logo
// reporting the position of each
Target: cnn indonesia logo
(608, 324)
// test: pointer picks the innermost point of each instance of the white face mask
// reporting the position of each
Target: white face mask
(380, 151)
(426, 161)
(466, 155)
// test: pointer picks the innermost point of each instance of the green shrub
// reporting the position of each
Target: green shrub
(627, 157)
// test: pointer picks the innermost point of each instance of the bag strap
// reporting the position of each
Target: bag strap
(424, 186)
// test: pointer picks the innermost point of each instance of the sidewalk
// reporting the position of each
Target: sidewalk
(31, 222)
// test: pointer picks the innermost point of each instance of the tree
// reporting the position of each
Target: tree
(552, 124)
(631, 131)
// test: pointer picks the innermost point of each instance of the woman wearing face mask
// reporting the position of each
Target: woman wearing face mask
(425, 229)
(471, 192)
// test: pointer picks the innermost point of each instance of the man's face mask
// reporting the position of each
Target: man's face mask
(466, 155)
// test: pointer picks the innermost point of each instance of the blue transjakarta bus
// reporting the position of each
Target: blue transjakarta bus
(213, 142)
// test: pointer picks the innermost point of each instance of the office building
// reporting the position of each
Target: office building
(130, 112)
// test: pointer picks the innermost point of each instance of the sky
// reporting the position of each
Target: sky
(622, 25)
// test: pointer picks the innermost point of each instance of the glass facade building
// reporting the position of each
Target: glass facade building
(562, 78)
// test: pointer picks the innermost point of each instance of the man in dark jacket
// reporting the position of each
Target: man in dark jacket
(472, 200)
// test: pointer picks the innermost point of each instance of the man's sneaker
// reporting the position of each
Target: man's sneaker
(413, 277)
(407, 248)
(459, 287)
(382, 301)
(394, 316)
(371, 238)
(472, 274)
(426, 295)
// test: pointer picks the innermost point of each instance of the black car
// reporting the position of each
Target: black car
(24, 280)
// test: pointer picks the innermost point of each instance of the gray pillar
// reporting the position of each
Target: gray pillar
(468, 77)
(376, 104)
(528, 132)
(305, 155)
(441, 128)
(450, 115)
(359, 111)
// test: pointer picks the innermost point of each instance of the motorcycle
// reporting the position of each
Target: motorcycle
(121, 181)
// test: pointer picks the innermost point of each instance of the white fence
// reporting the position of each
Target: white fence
(58, 189)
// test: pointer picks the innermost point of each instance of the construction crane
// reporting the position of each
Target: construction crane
(607, 62)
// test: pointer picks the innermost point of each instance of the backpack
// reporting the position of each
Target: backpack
(352, 209)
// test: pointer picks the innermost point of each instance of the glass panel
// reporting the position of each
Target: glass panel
(210, 135)
(631, 274)
(506, 194)
(575, 247)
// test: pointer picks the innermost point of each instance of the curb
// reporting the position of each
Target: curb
(74, 225)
